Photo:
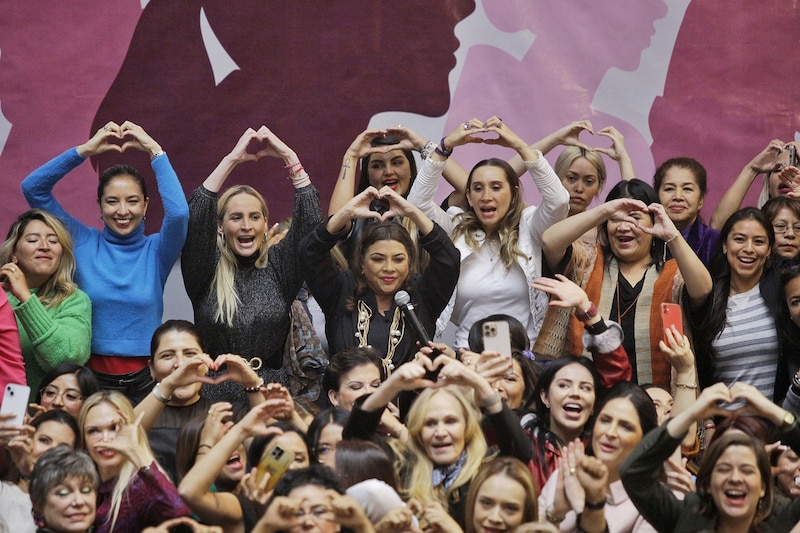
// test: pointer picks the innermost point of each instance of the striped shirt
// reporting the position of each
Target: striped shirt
(747, 348)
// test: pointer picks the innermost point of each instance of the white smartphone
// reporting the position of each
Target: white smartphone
(496, 337)
(15, 401)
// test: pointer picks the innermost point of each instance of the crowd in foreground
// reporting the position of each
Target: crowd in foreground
(623, 367)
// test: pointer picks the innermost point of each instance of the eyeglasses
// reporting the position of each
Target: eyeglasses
(316, 513)
(70, 397)
(783, 227)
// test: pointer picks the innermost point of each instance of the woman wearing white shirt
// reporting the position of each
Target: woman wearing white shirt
(498, 236)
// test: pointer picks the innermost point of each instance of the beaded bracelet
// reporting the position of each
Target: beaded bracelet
(672, 238)
(257, 388)
(442, 149)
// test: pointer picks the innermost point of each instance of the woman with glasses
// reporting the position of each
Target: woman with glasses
(784, 213)
(65, 388)
(53, 315)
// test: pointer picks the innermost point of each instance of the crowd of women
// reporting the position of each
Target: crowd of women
(600, 416)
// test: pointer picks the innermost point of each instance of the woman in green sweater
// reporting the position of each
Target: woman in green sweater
(54, 316)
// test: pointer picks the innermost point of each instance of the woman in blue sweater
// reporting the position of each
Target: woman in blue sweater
(121, 269)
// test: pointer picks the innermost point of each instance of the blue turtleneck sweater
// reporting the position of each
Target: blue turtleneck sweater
(123, 275)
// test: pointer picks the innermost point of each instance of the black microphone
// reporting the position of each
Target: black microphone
(403, 301)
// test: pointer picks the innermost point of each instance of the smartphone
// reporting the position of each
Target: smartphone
(671, 315)
(793, 159)
(15, 401)
(275, 463)
(496, 337)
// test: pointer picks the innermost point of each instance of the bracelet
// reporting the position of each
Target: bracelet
(672, 238)
(685, 385)
(293, 172)
(585, 316)
(442, 149)
(297, 163)
(493, 400)
(160, 397)
(257, 388)
(157, 154)
(594, 506)
(427, 150)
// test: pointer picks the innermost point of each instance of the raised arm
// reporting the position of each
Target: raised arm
(564, 136)
(617, 152)
(345, 188)
(560, 236)
(694, 272)
(765, 161)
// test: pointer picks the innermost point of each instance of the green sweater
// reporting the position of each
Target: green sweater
(50, 337)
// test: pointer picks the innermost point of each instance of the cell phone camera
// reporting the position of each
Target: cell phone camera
(489, 330)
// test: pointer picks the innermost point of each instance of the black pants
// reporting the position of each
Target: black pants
(134, 385)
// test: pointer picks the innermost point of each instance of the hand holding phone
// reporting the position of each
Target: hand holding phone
(671, 317)
(15, 401)
(274, 462)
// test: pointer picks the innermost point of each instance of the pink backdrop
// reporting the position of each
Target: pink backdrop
(710, 79)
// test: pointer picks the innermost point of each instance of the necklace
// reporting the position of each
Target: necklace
(621, 314)
(396, 331)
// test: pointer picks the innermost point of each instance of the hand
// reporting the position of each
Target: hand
(274, 236)
(190, 370)
(398, 206)
(347, 511)
(218, 421)
(767, 159)
(20, 448)
(617, 149)
(536, 527)
(141, 140)
(678, 477)
(254, 423)
(663, 226)
(620, 210)
(466, 133)
(409, 139)
(505, 136)
(240, 152)
(567, 294)
(756, 403)
(411, 375)
(574, 489)
(126, 441)
(358, 206)
(493, 366)
(361, 146)
(239, 370)
(275, 147)
(106, 139)
(678, 350)
(398, 519)
(250, 488)
(791, 176)
(279, 393)
(568, 135)
(15, 282)
(593, 476)
(279, 516)
(439, 519)
(195, 526)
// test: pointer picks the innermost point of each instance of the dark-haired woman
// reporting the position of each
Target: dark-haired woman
(626, 274)
(498, 236)
(359, 303)
(737, 327)
(121, 269)
(66, 387)
(681, 186)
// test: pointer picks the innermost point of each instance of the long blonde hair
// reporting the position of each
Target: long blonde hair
(223, 283)
(508, 231)
(60, 285)
(125, 410)
(417, 482)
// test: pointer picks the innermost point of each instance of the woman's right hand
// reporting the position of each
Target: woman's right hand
(218, 422)
(106, 139)
(15, 281)
(254, 423)
(767, 159)
(568, 135)
(361, 146)
(678, 350)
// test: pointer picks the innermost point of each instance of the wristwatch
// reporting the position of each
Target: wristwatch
(585, 316)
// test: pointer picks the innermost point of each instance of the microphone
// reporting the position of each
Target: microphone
(403, 301)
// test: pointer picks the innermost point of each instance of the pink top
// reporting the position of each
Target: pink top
(12, 366)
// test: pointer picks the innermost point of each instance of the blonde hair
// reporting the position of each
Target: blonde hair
(508, 231)
(571, 154)
(125, 410)
(223, 283)
(60, 285)
(417, 480)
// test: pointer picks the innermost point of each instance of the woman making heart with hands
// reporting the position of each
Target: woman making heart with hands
(121, 269)
(498, 236)
(241, 294)
(734, 484)
(359, 303)
(446, 444)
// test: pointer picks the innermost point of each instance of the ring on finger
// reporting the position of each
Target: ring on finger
(466, 125)
(572, 470)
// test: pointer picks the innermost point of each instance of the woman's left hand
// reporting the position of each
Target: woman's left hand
(617, 149)
(347, 511)
(567, 293)
(439, 519)
(678, 351)
(141, 140)
(678, 477)
(174, 523)
(126, 442)
(593, 476)
(275, 147)
(663, 226)
(256, 492)
(14, 281)
(239, 370)
(756, 403)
